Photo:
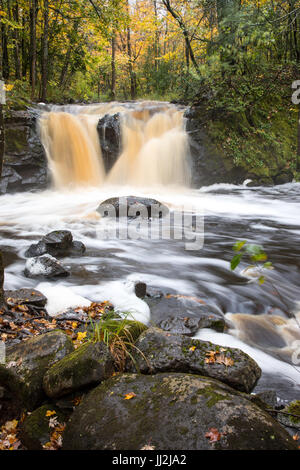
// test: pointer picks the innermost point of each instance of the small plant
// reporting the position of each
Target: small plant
(119, 333)
(255, 253)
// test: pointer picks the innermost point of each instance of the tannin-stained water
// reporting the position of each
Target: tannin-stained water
(154, 145)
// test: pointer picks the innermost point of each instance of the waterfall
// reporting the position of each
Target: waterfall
(154, 147)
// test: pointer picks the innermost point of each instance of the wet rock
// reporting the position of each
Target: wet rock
(45, 266)
(57, 243)
(27, 362)
(140, 289)
(86, 366)
(25, 165)
(160, 351)
(209, 165)
(132, 206)
(170, 412)
(109, 130)
(35, 431)
(185, 315)
(25, 296)
(284, 177)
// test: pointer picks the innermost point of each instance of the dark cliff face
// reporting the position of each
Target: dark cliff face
(208, 165)
(25, 162)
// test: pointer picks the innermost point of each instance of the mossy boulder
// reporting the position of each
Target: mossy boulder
(27, 362)
(35, 430)
(160, 351)
(171, 412)
(88, 365)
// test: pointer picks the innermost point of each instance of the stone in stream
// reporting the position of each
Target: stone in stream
(109, 130)
(35, 431)
(45, 266)
(171, 412)
(159, 351)
(140, 289)
(27, 362)
(131, 207)
(25, 296)
(88, 365)
(184, 314)
(56, 243)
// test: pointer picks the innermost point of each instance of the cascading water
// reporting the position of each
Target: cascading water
(154, 145)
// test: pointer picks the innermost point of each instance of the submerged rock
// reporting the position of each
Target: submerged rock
(185, 315)
(160, 351)
(57, 243)
(36, 431)
(25, 296)
(45, 266)
(171, 412)
(86, 366)
(27, 362)
(132, 206)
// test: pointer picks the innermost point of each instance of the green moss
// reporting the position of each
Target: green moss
(294, 408)
(266, 148)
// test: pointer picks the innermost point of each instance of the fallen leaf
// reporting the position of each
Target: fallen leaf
(213, 435)
(50, 413)
(129, 396)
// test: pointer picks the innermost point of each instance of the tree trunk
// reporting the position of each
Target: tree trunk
(113, 66)
(5, 58)
(64, 71)
(45, 52)
(130, 62)
(33, 8)
(18, 73)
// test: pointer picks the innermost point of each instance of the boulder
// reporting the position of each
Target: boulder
(57, 243)
(188, 314)
(109, 130)
(160, 351)
(27, 362)
(88, 365)
(35, 431)
(131, 207)
(24, 297)
(171, 412)
(140, 289)
(45, 266)
(290, 418)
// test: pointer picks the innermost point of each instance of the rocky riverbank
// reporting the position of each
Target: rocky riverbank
(67, 388)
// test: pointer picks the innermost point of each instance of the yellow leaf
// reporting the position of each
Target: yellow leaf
(50, 413)
(192, 348)
(81, 336)
(129, 396)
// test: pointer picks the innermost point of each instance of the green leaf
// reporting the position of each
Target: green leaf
(268, 265)
(239, 245)
(261, 280)
(235, 261)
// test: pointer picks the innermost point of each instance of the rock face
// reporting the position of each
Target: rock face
(132, 206)
(25, 296)
(35, 430)
(45, 266)
(166, 352)
(208, 166)
(188, 314)
(170, 412)
(27, 363)
(86, 366)
(109, 130)
(25, 163)
(57, 243)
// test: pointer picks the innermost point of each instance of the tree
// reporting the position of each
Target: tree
(45, 51)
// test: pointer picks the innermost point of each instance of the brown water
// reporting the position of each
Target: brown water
(154, 145)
